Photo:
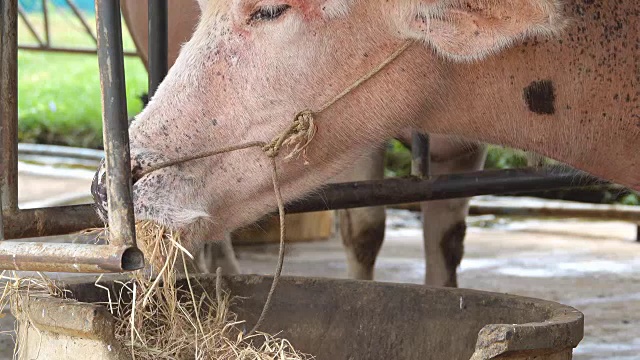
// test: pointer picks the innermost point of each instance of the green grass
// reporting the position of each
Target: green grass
(59, 94)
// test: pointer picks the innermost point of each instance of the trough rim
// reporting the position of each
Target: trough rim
(563, 329)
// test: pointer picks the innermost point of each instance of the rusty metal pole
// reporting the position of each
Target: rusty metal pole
(158, 43)
(115, 123)
(420, 155)
(72, 258)
(9, 105)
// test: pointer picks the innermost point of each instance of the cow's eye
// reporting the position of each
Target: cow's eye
(267, 13)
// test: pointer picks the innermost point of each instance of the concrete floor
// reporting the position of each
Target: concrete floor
(589, 265)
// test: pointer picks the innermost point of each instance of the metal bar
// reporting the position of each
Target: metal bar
(9, 105)
(115, 123)
(25, 149)
(78, 14)
(50, 221)
(638, 234)
(30, 27)
(420, 155)
(408, 190)
(586, 211)
(69, 50)
(74, 258)
(47, 28)
(68, 219)
(158, 43)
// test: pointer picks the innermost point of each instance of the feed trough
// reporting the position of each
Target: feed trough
(335, 319)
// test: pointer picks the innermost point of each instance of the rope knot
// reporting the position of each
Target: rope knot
(298, 135)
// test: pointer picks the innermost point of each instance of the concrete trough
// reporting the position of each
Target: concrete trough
(336, 319)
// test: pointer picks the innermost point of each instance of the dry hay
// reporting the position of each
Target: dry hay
(157, 319)
(163, 321)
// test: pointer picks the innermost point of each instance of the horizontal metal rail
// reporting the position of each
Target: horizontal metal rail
(50, 221)
(74, 258)
(60, 151)
(64, 220)
(583, 211)
(408, 190)
(68, 50)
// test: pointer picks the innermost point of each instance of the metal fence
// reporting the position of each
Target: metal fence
(122, 254)
(43, 36)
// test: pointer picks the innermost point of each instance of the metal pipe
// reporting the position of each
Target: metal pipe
(115, 123)
(47, 28)
(586, 211)
(64, 220)
(80, 17)
(50, 221)
(158, 43)
(60, 151)
(638, 234)
(9, 105)
(408, 190)
(62, 49)
(420, 155)
(73, 258)
(29, 26)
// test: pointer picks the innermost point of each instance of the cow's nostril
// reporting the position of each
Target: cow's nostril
(136, 171)
(99, 191)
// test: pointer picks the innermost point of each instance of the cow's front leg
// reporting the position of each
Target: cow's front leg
(362, 232)
(444, 221)
(362, 229)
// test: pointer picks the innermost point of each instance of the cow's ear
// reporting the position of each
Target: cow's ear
(465, 30)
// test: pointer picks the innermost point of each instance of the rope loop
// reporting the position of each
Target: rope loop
(299, 135)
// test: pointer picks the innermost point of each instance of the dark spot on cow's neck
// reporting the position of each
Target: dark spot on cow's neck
(540, 97)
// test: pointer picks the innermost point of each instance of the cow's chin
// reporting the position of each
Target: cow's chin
(193, 225)
(171, 217)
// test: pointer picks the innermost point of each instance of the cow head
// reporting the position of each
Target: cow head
(252, 65)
